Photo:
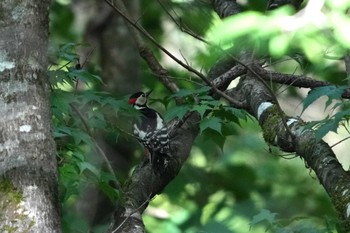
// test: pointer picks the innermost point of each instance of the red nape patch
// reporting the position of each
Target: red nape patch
(132, 100)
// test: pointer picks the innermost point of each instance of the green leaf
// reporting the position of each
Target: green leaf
(331, 124)
(201, 109)
(60, 100)
(78, 155)
(234, 27)
(83, 75)
(239, 113)
(104, 184)
(228, 129)
(264, 215)
(208, 211)
(216, 226)
(57, 134)
(77, 134)
(81, 136)
(230, 114)
(342, 115)
(279, 45)
(59, 77)
(64, 130)
(209, 101)
(96, 119)
(163, 101)
(68, 181)
(177, 111)
(182, 93)
(110, 192)
(332, 92)
(213, 123)
(67, 52)
(89, 167)
(213, 136)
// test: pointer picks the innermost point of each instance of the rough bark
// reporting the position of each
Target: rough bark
(318, 155)
(28, 183)
(144, 184)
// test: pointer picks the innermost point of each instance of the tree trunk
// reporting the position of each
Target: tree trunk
(28, 169)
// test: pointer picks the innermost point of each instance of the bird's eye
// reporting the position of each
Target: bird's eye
(143, 95)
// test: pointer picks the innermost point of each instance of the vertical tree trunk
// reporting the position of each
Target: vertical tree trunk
(118, 55)
(28, 171)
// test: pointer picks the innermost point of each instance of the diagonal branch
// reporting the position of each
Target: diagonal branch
(317, 154)
(295, 80)
(144, 184)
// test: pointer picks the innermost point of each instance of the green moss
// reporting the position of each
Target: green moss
(270, 123)
(10, 199)
(340, 204)
(10, 229)
(9, 192)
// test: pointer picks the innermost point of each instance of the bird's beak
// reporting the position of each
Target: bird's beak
(148, 93)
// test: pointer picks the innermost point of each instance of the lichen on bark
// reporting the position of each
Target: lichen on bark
(270, 119)
(11, 209)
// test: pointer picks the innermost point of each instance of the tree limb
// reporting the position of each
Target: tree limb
(317, 154)
(144, 184)
(226, 7)
(291, 135)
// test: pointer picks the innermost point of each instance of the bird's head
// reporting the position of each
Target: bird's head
(139, 98)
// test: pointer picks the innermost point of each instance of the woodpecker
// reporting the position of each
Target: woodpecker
(151, 131)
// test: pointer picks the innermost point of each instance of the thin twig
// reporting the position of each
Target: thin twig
(87, 56)
(337, 143)
(133, 212)
(179, 25)
(182, 79)
(187, 80)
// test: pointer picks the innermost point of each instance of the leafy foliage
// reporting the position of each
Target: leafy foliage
(295, 225)
(329, 123)
(281, 37)
(332, 92)
(264, 215)
(217, 119)
(77, 116)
